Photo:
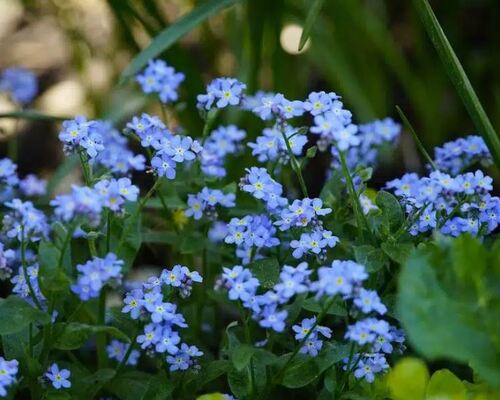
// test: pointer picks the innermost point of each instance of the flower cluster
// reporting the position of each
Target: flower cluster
(250, 234)
(456, 156)
(82, 136)
(10, 183)
(32, 186)
(221, 142)
(221, 92)
(6, 258)
(260, 185)
(169, 149)
(372, 137)
(269, 105)
(8, 373)
(160, 334)
(205, 202)
(117, 351)
(21, 84)
(271, 145)
(313, 334)
(24, 289)
(159, 77)
(24, 221)
(116, 155)
(95, 274)
(452, 205)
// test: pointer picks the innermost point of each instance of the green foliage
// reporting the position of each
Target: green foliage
(16, 314)
(73, 335)
(448, 303)
(173, 33)
(267, 271)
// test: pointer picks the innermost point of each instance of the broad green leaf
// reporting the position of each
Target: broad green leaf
(239, 382)
(137, 385)
(398, 252)
(16, 314)
(392, 213)
(446, 317)
(303, 370)
(192, 243)
(16, 346)
(241, 356)
(311, 17)
(51, 278)
(408, 379)
(267, 271)
(444, 385)
(336, 308)
(127, 235)
(371, 257)
(459, 78)
(173, 33)
(213, 370)
(73, 335)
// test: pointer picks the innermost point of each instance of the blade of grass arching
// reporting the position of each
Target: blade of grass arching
(32, 115)
(174, 32)
(415, 137)
(459, 78)
(311, 17)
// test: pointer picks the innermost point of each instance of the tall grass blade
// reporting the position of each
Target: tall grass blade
(459, 78)
(33, 116)
(311, 17)
(174, 32)
(416, 138)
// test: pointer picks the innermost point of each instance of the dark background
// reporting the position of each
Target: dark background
(374, 53)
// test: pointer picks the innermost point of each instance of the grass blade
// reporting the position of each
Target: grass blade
(416, 138)
(459, 78)
(311, 17)
(174, 32)
(33, 116)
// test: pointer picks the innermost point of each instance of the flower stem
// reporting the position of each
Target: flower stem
(294, 163)
(25, 270)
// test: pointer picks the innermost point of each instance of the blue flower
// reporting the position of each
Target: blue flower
(8, 172)
(58, 378)
(95, 274)
(159, 77)
(368, 300)
(272, 318)
(9, 369)
(163, 166)
(117, 350)
(223, 92)
(21, 84)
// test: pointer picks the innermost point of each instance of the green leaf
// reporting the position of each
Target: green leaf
(398, 252)
(16, 314)
(136, 385)
(241, 356)
(267, 271)
(408, 379)
(213, 370)
(173, 33)
(304, 370)
(50, 277)
(311, 17)
(450, 311)
(212, 396)
(336, 308)
(192, 243)
(129, 235)
(73, 335)
(459, 78)
(444, 385)
(392, 213)
(239, 382)
(33, 115)
(371, 257)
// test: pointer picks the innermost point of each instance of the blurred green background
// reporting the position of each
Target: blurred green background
(375, 53)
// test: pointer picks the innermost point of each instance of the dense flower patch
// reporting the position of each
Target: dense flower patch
(267, 288)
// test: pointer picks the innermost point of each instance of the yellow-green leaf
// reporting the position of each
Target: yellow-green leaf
(445, 386)
(408, 380)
